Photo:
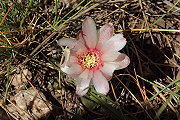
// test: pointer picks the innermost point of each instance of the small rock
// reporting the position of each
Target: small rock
(30, 104)
(18, 80)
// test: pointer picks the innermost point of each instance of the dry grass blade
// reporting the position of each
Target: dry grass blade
(151, 29)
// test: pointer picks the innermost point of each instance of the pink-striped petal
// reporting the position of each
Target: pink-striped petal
(100, 83)
(80, 43)
(110, 56)
(67, 42)
(89, 32)
(83, 83)
(107, 76)
(109, 67)
(105, 33)
(116, 43)
(80, 37)
(123, 61)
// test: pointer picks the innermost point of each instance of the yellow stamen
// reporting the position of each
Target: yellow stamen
(89, 60)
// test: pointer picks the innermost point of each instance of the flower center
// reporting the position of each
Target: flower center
(90, 59)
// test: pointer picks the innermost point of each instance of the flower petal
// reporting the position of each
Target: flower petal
(80, 37)
(116, 43)
(107, 76)
(100, 83)
(73, 59)
(105, 33)
(110, 56)
(73, 69)
(89, 32)
(123, 61)
(80, 43)
(83, 82)
(67, 42)
(66, 54)
(108, 68)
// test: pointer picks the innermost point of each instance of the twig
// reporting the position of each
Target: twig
(6, 15)
(43, 43)
(154, 30)
(170, 4)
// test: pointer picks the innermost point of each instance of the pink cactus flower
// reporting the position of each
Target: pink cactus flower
(92, 59)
